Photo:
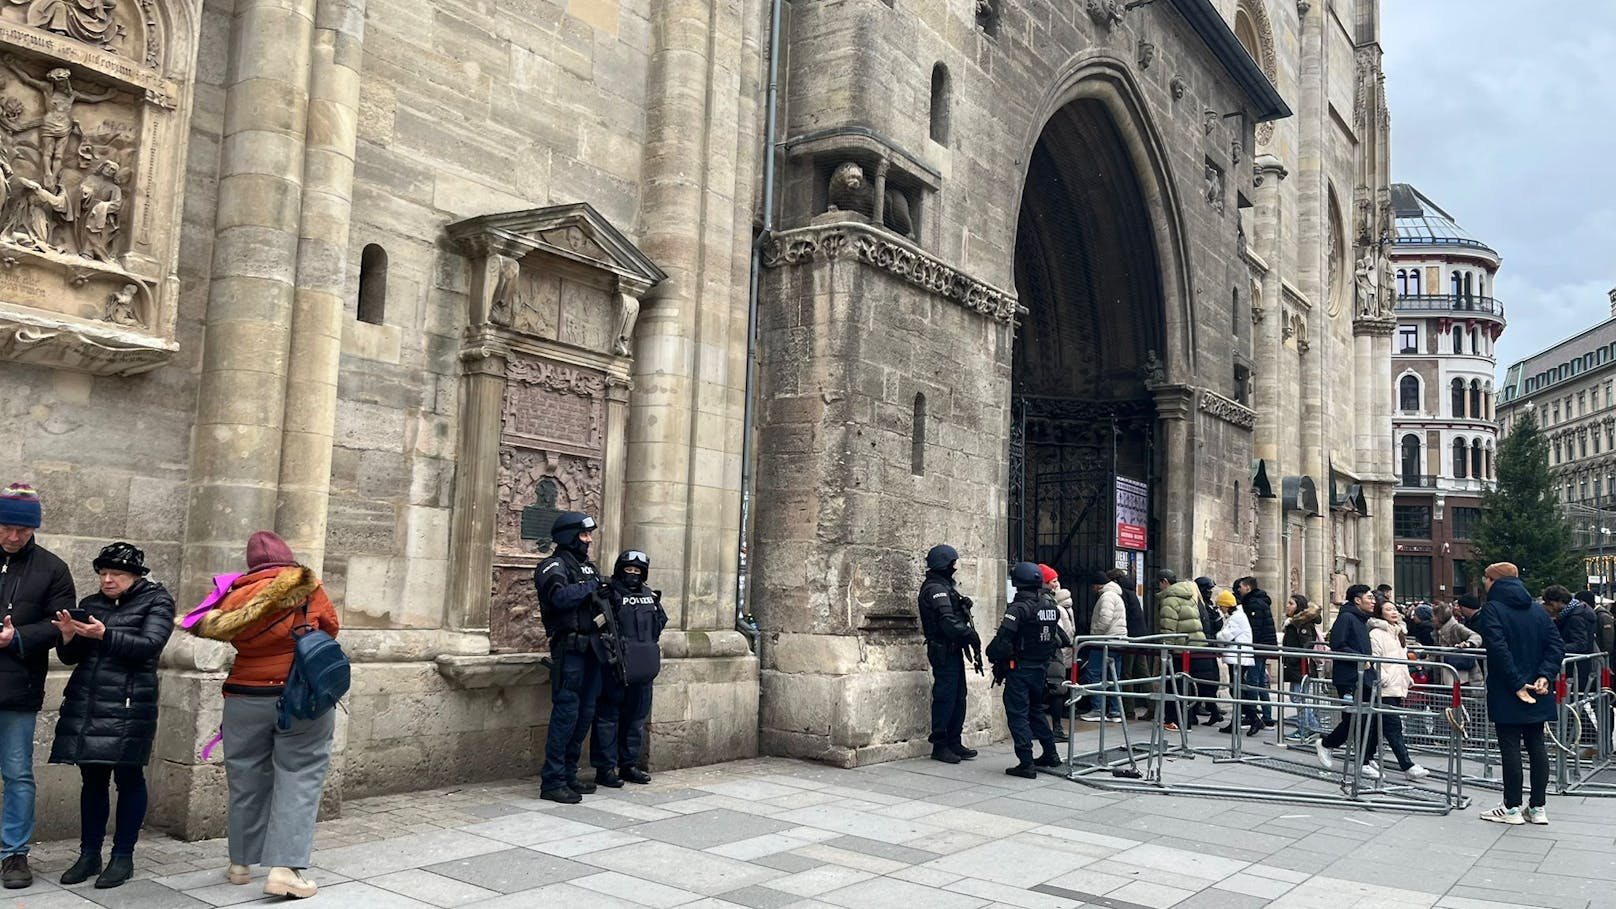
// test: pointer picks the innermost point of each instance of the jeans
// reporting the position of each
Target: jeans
(1510, 738)
(276, 777)
(17, 768)
(574, 689)
(1307, 719)
(620, 715)
(1255, 680)
(947, 696)
(1393, 726)
(1023, 710)
(1091, 677)
(95, 806)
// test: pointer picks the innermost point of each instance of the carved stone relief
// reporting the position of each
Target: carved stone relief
(1146, 53)
(1106, 12)
(1179, 86)
(1257, 11)
(94, 97)
(1214, 187)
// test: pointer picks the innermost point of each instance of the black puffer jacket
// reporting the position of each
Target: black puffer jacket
(34, 586)
(1260, 610)
(109, 712)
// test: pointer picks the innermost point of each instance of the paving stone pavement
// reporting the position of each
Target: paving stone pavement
(782, 834)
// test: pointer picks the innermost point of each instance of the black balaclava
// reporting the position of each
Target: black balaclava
(632, 557)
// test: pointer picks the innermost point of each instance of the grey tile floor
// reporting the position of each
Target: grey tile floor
(775, 833)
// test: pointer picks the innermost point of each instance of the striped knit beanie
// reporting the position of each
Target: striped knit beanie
(19, 506)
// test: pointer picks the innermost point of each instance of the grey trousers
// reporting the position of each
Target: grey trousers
(276, 778)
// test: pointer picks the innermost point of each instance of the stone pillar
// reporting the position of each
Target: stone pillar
(611, 507)
(476, 497)
(322, 278)
(1176, 421)
(236, 447)
(1275, 377)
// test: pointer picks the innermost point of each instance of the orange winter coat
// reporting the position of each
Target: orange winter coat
(257, 617)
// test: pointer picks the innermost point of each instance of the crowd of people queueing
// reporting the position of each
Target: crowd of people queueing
(1519, 644)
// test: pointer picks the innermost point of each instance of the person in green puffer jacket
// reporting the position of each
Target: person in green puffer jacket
(1178, 611)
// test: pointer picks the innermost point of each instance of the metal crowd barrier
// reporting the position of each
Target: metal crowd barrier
(1143, 766)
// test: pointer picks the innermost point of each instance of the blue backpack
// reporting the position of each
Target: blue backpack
(319, 678)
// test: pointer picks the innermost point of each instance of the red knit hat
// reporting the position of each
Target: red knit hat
(267, 550)
(1050, 575)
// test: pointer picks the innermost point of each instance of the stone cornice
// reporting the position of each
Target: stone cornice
(853, 241)
(1227, 410)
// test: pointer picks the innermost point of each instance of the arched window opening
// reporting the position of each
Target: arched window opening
(1456, 285)
(917, 438)
(372, 284)
(1408, 394)
(1411, 460)
(1475, 399)
(1402, 283)
(1470, 290)
(1475, 340)
(1475, 459)
(1458, 340)
(1458, 398)
(939, 104)
(1460, 458)
(1414, 282)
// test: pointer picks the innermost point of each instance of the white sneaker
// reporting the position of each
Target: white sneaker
(1113, 719)
(1324, 755)
(1502, 815)
(1416, 772)
(1092, 718)
(1371, 771)
(1537, 815)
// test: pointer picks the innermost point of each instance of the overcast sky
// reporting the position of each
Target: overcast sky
(1504, 113)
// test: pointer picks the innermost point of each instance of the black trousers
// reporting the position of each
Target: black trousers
(947, 695)
(1394, 733)
(1510, 738)
(1343, 728)
(618, 739)
(95, 806)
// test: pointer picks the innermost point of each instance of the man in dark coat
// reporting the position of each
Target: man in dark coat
(945, 620)
(570, 592)
(34, 586)
(1578, 628)
(1259, 609)
(1523, 657)
(1349, 637)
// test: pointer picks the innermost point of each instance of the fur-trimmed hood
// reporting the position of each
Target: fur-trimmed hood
(1309, 615)
(286, 589)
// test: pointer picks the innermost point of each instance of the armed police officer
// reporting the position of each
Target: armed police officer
(625, 693)
(1027, 639)
(570, 596)
(945, 618)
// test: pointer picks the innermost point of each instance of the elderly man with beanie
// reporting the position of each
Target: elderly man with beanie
(34, 586)
(1453, 635)
(275, 775)
(1353, 679)
(109, 710)
(571, 595)
(625, 694)
(1523, 658)
(1028, 636)
(945, 620)
(1103, 668)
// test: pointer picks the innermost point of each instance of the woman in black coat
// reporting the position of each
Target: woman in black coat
(109, 711)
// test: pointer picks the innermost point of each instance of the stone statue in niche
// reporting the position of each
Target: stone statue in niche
(1214, 188)
(1153, 371)
(89, 21)
(850, 191)
(1368, 286)
(628, 312)
(58, 123)
(1147, 53)
(502, 304)
(121, 308)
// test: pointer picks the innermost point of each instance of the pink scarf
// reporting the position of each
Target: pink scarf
(221, 586)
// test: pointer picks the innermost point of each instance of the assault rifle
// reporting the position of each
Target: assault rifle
(611, 637)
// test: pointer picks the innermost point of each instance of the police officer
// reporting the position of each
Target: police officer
(570, 590)
(1027, 639)
(625, 692)
(945, 618)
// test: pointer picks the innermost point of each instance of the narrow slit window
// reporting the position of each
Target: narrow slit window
(917, 441)
(939, 104)
(373, 284)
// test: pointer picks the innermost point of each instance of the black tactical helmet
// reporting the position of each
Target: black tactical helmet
(121, 556)
(1027, 576)
(632, 557)
(568, 525)
(940, 557)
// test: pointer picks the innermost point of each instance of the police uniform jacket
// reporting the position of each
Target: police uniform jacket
(566, 586)
(945, 616)
(1030, 632)
(640, 620)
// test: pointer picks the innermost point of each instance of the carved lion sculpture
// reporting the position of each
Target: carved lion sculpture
(849, 191)
(895, 216)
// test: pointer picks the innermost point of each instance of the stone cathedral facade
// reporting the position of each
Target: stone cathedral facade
(400, 280)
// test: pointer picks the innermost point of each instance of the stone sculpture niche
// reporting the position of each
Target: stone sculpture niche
(94, 102)
(850, 192)
(853, 174)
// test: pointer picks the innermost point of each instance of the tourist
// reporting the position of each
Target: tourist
(1389, 638)
(35, 585)
(945, 620)
(570, 592)
(1059, 670)
(1353, 679)
(1301, 633)
(1523, 655)
(1178, 613)
(1420, 624)
(1027, 638)
(109, 710)
(1579, 633)
(1466, 608)
(275, 775)
(1236, 630)
(1259, 610)
(1102, 666)
(1135, 663)
(625, 694)
(1452, 634)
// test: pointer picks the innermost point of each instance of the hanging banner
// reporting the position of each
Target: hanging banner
(1133, 507)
